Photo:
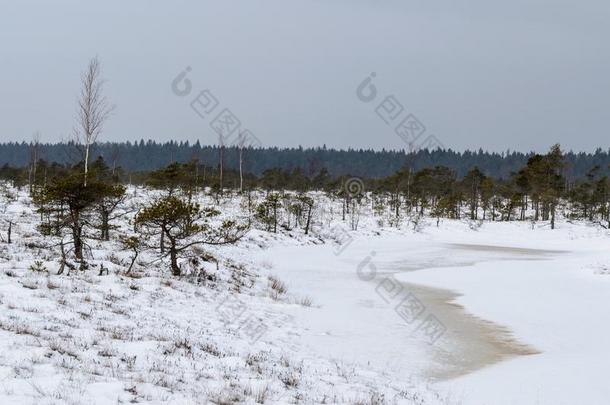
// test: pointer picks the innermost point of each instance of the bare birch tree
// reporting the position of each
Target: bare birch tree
(34, 158)
(221, 150)
(241, 161)
(93, 109)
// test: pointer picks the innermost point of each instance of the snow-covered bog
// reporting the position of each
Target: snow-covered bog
(215, 335)
(283, 317)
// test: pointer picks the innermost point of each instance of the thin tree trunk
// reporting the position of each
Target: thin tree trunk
(308, 220)
(78, 242)
(133, 260)
(174, 259)
(241, 176)
(162, 243)
(105, 226)
(86, 162)
(221, 167)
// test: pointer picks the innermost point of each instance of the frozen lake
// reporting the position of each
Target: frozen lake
(510, 315)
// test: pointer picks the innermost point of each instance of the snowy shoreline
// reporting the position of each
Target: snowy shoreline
(354, 313)
(553, 305)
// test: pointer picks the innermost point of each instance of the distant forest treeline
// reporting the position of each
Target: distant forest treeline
(150, 155)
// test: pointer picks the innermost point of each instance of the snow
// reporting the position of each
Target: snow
(519, 312)
(554, 300)
(557, 305)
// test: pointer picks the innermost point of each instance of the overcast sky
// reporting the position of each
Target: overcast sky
(496, 75)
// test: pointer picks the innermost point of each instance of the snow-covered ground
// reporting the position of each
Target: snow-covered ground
(503, 313)
(559, 306)
(522, 311)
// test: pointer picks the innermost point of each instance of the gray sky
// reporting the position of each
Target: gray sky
(498, 75)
